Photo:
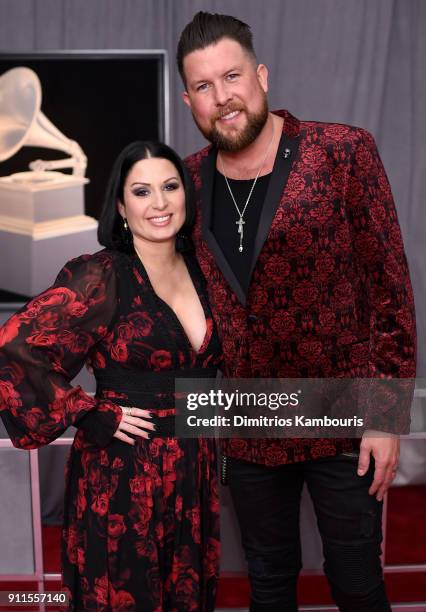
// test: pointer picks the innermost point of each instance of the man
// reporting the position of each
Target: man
(298, 237)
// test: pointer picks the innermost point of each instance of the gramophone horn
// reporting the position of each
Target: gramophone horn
(23, 124)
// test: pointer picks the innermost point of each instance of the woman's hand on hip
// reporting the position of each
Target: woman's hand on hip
(135, 421)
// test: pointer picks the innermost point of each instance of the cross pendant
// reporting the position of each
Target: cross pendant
(240, 224)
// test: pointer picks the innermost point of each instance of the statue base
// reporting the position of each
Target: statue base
(42, 226)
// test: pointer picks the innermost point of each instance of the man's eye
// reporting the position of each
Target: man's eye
(202, 87)
(232, 76)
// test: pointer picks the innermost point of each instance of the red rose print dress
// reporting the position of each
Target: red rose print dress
(141, 526)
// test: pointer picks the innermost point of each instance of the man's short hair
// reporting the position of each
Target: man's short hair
(209, 28)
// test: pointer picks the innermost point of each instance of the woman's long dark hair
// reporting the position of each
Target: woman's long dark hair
(111, 232)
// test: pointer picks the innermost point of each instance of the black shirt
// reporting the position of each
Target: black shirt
(225, 216)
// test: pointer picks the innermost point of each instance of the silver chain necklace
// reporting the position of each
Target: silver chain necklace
(241, 221)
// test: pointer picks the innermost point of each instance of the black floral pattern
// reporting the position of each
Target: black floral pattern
(330, 292)
(141, 529)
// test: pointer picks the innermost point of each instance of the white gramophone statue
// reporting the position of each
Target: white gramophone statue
(42, 220)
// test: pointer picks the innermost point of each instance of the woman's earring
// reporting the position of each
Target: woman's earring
(127, 234)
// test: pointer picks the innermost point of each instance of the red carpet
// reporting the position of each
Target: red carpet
(406, 538)
(234, 591)
(406, 543)
(52, 549)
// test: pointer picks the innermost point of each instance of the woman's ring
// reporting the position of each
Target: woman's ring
(126, 410)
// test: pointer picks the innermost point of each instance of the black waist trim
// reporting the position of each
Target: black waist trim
(141, 391)
(148, 382)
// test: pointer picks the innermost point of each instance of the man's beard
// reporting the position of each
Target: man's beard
(244, 138)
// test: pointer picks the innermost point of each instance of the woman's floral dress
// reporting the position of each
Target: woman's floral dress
(141, 525)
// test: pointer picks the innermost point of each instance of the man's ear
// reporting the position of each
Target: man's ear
(262, 75)
(186, 99)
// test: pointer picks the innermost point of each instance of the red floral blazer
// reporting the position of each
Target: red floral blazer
(330, 293)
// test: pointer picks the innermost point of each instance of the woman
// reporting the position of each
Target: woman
(141, 508)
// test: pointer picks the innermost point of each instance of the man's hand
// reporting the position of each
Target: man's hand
(385, 449)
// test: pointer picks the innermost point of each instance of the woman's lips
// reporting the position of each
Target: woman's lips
(160, 221)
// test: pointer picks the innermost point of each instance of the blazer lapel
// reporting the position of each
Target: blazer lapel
(207, 184)
(286, 154)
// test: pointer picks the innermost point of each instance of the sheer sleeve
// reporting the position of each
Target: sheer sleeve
(44, 346)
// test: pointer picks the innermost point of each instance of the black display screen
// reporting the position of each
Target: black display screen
(102, 100)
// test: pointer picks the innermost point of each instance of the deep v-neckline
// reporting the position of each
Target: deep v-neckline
(172, 313)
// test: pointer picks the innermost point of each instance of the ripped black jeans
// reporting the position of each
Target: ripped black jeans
(267, 502)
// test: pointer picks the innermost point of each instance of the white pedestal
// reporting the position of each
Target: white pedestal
(29, 266)
(42, 226)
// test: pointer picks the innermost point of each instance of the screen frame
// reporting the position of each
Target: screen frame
(105, 54)
(102, 55)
